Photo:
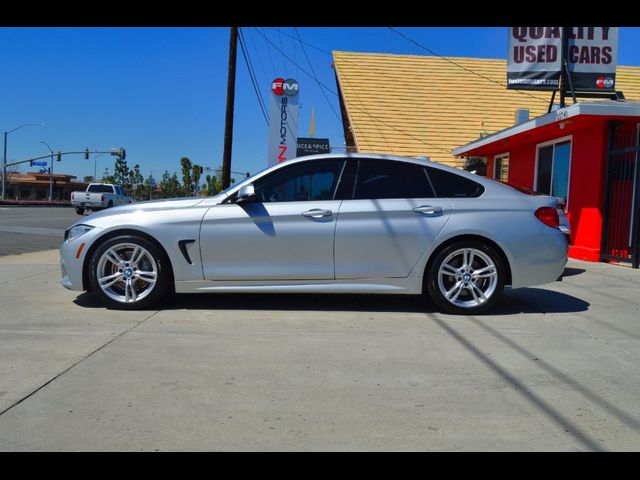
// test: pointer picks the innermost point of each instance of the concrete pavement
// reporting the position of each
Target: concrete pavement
(553, 368)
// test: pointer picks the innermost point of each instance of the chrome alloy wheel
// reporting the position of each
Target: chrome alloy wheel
(467, 278)
(127, 272)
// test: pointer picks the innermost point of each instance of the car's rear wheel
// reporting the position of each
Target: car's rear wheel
(129, 272)
(79, 210)
(466, 278)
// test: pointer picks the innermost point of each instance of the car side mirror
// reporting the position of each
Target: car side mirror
(246, 194)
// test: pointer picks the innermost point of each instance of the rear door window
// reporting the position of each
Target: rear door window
(378, 179)
(450, 185)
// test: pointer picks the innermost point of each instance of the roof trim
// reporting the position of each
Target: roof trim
(609, 108)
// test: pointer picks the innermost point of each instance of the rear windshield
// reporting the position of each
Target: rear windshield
(100, 189)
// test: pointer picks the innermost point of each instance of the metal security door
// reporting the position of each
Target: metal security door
(622, 207)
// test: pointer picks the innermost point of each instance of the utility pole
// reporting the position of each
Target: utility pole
(228, 126)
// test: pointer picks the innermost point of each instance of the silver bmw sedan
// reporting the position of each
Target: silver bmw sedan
(325, 224)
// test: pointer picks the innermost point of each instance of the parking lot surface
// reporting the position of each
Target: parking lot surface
(552, 368)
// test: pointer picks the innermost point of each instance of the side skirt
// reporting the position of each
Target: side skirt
(406, 286)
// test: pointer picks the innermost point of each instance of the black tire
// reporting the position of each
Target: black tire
(80, 210)
(467, 300)
(162, 283)
(110, 204)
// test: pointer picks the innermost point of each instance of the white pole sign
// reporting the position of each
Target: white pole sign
(283, 120)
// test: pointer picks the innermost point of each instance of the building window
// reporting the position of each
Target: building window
(501, 168)
(552, 174)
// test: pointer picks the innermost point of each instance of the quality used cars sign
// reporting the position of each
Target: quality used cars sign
(535, 57)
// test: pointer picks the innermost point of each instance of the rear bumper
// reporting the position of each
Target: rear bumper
(87, 205)
(541, 261)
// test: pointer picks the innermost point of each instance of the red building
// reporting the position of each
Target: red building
(586, 153)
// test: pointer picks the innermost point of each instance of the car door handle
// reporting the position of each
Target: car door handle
(428, 210)
(317, 213)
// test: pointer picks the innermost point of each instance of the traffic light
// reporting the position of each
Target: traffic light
(86, 154)
(119, 152)
(59, 157)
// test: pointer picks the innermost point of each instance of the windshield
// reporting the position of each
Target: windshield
(233, 185)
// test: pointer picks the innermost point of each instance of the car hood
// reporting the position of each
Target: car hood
(152, 205)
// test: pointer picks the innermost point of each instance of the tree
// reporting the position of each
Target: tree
(121, 172)
(196, 173)
(88, 179)
(148, 186)
(186, 165)
(170, 185)
(214, 183)
(211, 185)
(135, 180)
(106, 178)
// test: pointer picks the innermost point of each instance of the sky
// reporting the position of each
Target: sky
(160, 92)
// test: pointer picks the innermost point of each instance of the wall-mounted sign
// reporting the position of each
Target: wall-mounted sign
(283, 120)
(534, 60)
(312, 146)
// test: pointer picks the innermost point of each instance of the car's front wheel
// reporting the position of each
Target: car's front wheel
(466, 278)
(129, 272)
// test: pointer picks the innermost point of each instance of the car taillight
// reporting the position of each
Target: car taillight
(102, 198)
(548, 216)
(72, 197)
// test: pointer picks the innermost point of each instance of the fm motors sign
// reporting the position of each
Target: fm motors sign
(536, 55)
(283, 120)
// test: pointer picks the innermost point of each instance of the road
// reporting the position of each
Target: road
(31, 229)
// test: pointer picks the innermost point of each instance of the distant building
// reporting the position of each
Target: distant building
(35, 186)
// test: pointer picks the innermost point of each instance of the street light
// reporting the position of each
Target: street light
(50, 172)
(4, 160)
(95, 165)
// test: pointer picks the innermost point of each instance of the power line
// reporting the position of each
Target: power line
(251, 75)
(460, 66)
(284, 63)
(432, 53)
(315, 76)
(257, 52)
(351, 104)
(305, 43)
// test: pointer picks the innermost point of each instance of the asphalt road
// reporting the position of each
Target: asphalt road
(31, 229)
(551, 368)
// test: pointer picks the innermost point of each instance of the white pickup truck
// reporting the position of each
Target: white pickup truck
(99, 196)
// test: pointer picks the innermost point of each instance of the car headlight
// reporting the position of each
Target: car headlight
(78, 230)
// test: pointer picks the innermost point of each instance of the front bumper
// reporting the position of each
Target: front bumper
(72, 257)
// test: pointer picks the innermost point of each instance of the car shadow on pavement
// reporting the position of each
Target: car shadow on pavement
(523, 300)
(570, 272)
